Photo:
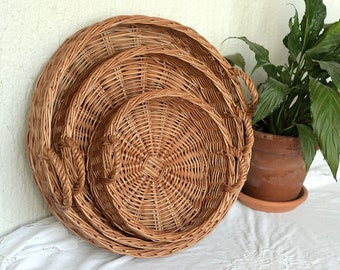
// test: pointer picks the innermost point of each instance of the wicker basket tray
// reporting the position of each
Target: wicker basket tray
(144, 54)
(152, 165)
(128, 74)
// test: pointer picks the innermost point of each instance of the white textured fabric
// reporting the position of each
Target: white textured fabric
(305, 238)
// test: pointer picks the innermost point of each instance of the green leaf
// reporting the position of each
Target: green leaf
(333, 69)
(312, 22)
(261, 56)
(328, 44)
(236, 59)
(293, 40)
(308, 144)
(325, 109)
(273, 94)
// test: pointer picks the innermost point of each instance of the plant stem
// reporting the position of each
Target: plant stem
(299, 70)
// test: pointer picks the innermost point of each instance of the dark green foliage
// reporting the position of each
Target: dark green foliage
(302, 97)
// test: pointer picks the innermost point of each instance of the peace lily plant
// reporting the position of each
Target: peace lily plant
(302, 97)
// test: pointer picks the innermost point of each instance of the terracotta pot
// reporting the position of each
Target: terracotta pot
(277, 170)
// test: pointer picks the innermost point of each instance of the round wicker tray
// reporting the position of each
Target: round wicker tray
(150, 165)
(81, 93)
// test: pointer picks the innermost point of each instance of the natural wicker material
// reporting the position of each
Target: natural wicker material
(130, 73)
(149, 164)
(59, 135)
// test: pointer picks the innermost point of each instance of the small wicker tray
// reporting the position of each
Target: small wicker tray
(84, 90)
(150, 165)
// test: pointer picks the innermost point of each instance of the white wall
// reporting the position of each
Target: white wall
(32, 30)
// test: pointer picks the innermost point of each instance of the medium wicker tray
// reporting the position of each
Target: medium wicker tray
(81, 95)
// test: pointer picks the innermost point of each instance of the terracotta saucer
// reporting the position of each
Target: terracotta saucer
(274, 207)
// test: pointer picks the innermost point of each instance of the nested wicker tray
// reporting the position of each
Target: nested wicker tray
(150, 165)
(89, 81)
(128, 74)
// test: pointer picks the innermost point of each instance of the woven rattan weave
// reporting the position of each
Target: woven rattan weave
(150, 164)
(139, 135)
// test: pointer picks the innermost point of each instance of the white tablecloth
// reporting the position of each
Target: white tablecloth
(305, 238)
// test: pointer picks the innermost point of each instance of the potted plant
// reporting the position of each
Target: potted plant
(299, 103)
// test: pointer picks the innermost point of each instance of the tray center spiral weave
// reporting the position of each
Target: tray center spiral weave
(153, 166)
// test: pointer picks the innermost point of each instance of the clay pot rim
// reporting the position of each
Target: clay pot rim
(265, 134)
(286, 145)
(273, 207)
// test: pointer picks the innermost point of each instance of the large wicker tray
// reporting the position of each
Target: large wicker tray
(139, 135)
